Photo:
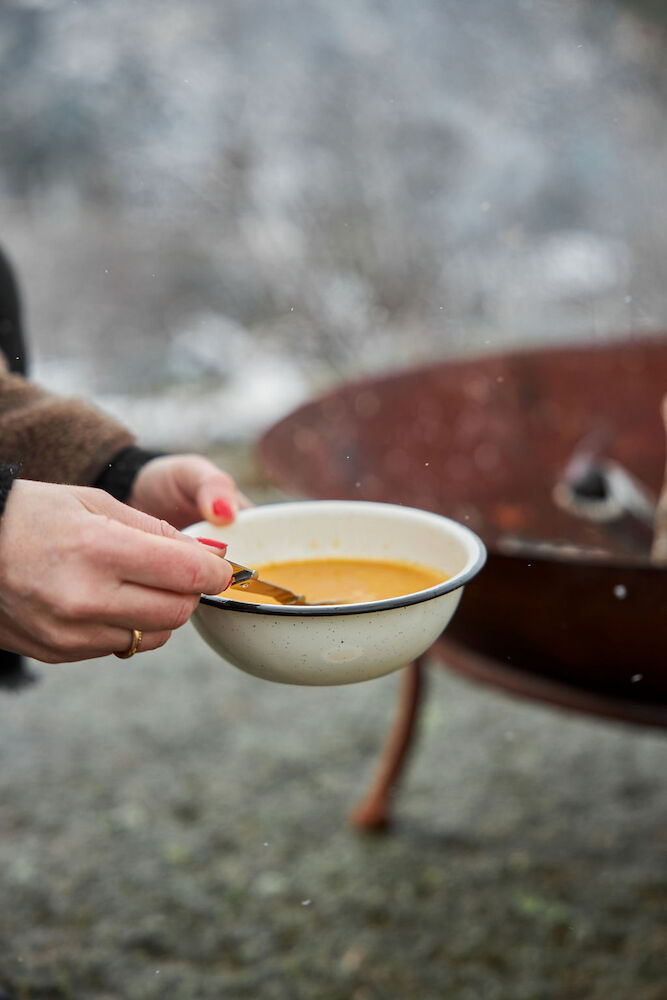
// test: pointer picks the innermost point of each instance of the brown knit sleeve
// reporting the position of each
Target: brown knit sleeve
(53, 439)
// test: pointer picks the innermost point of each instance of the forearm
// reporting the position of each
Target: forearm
(52, 439)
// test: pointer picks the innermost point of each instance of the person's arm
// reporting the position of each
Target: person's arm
(180, 488)
(51, 439)
(78, 569)
(44, 578)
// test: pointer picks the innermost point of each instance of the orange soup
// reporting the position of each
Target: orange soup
(345, 581)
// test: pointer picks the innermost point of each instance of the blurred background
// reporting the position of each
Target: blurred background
(217, 209)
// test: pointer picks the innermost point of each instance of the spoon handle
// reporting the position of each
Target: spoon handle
(247, 579)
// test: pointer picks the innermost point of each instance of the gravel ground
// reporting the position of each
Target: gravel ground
(173, 828)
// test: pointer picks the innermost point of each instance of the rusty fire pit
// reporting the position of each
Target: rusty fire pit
(568, 610)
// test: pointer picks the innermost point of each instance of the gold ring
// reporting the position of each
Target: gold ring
(134, 645)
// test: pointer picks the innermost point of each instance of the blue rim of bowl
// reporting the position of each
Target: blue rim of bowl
(330, 610)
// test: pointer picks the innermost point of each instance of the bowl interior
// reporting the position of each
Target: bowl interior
(322, 529)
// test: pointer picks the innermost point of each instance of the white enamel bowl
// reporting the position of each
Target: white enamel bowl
(337, 644)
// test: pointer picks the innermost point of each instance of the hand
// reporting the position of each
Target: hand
(79, 571)
(183, 489)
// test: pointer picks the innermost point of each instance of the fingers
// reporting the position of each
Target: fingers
(186, 488)
(119, 642)
(100, 503)
(63, 639)
(215, 510)
(150, 551)
(178, 564)
(149, 640)
(143, 607)
(103, 642)
(218, 500)
(60, 643)
(79, 571)
(217, 496)
(216, 506)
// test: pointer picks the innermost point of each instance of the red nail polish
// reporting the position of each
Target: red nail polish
(223, 508)
(212, 542)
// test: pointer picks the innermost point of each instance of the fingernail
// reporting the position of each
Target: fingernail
(223, 508)
(214, 544)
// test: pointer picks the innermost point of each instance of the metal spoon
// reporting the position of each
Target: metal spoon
(247, 579)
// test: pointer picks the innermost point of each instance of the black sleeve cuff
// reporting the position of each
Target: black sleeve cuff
(13, 672)
(8, 474)
(119, 475)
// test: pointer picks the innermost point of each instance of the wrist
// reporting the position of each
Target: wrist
(118, 476)
(8, 474)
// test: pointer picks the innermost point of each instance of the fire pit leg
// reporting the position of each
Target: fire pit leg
(372, 813)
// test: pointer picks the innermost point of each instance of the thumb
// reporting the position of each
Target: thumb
(201, 488)
(218, 499)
